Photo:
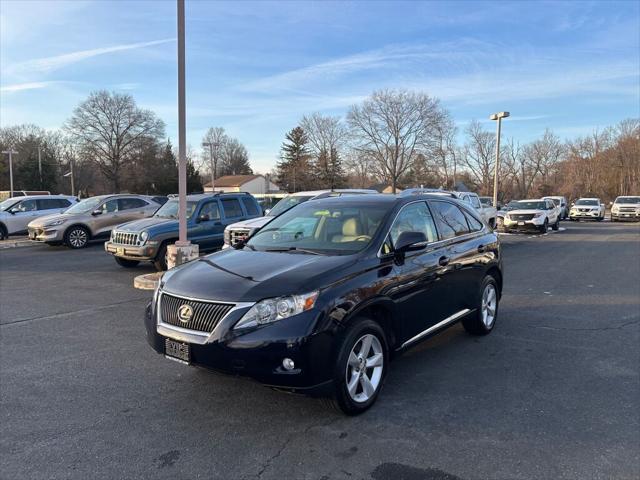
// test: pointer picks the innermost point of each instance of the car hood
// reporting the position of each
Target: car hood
(528, 211)
(40, 221)
(590, 207)
(252, 223)
(248, 276)
(151, 224)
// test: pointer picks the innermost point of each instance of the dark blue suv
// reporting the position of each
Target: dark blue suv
(207, 217)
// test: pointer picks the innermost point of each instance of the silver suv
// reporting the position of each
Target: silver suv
(90, 219)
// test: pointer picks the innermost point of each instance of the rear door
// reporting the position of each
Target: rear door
(232, 212)
(132, 208)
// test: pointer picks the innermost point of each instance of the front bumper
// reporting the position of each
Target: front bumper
(132, 252)
(631, 216)
(589, 214)
(258, 353)
(46, 234)
(533, 224)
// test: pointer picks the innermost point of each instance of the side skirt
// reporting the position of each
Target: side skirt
(438, 326)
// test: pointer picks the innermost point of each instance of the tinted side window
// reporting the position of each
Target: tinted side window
(129, 203)
(211, 209)
(450, 220)
(475, 201)
(51, 203)
(250, 206)
(475, 225)
(414, 217)
(231, 207)
(110, 206)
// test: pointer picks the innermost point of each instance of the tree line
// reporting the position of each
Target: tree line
(397, 138)
(408, 139)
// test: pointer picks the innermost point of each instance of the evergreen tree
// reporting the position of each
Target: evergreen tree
(294, 170)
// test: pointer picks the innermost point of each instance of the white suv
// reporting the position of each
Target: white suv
(589, 208)
(626, 208)
(533, 215)
(17, 212)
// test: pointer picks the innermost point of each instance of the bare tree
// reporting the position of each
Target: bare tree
(327, 137)
(107, 127)
(444, 152)
(358, 167)
(213, 143)
(392, 127)
(479, 155)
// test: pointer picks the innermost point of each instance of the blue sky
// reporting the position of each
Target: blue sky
(255, 68)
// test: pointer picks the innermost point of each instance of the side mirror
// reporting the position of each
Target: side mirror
(203, 218)
(13, 210)
(410, 242)
(266, 212)
(96, 212)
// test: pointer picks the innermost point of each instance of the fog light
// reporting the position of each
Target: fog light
(288, 364)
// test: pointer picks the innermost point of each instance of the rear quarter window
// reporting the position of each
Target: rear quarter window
(250, 206)
(231, 207)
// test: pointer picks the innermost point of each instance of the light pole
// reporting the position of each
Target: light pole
(213, 159)
(497, 116)
(10, 152)
(70, 175)
(40, 165)
(182, 142)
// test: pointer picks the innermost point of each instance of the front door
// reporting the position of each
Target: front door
(109, 215)
(207, 227)
(418, 291)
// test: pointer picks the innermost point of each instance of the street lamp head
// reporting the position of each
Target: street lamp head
(499, 115)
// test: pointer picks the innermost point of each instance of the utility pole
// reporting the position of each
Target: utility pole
(40, 165)
(182, 143)
(498, 117)
(71, 176)
(10, 152)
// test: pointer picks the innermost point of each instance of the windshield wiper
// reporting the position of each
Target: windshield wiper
(292, 249)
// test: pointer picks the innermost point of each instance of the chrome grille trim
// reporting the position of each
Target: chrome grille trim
(238, 234)
(521, 216)
(125, 238)
(184, 332)
(206, 315)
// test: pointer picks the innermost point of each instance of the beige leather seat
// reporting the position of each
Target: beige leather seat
(351, 230)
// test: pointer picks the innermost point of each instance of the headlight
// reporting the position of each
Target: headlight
(274, 309)
(55, 223)
(615, 209)
(507, 217)
(144, 236)
(227, 236)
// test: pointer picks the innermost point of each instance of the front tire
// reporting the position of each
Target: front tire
(4, 234)
(160, 261)
(556, 225)
(545, 226)
(482, 321)
(76, 237)
(123, 262)
(360, 367)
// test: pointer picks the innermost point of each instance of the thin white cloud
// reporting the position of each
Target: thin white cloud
(18, 87)
(49, 64)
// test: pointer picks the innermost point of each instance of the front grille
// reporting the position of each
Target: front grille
(125, 238)
(627, 209)
(238, 235)
(521, 216)
(205, 317)
(584, 210)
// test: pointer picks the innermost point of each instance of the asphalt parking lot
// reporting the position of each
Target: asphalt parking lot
(552, 393)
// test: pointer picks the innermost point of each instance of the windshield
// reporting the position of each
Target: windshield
(486, 201)
(286, 203)
(170, 209)
(635, 200)
(512, 205)
(534, 205)
(319, 228)
(85, 206)
(8, 203)
(587, 202)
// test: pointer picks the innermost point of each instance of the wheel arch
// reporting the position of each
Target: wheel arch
(495, 272)
(381, 311)
(3, 227)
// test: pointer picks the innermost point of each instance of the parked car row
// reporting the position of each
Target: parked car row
(16, 212)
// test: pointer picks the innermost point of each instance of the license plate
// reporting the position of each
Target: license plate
(521, 224)
(119, 250)
(627, 214)
(177, 350)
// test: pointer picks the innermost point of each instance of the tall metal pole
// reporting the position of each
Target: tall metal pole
(40, 165)
(213, 168)
(182, 143)
(495, 173)
(10, 152)
(73, 188)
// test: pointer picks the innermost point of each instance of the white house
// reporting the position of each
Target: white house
(254, 184)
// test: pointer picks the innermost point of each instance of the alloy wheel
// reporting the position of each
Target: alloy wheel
(78, 238)
(489, 304)
(364, 368)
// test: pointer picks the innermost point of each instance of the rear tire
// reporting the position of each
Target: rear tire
(76, 237)
(358, 375)
(123, 262)
(556, 225)
(482, 321)
(4, 234)
(160, 261)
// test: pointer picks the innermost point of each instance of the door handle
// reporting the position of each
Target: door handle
(482, 249)
(443, 261)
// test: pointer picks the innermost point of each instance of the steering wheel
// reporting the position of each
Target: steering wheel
(362, 238)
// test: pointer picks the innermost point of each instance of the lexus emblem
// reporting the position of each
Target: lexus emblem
(185, 312)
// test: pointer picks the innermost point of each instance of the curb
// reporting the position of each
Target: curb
(5, 244)
(148, 281)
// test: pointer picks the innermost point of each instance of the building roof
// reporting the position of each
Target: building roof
(233, 180)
